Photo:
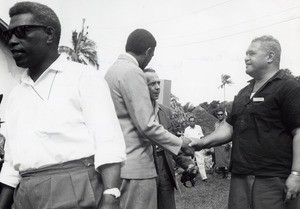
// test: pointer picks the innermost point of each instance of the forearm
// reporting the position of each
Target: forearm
(110, 174)
(220, 136)
(296, 148)
(6, 197)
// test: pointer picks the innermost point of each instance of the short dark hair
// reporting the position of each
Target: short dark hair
(219, 110)
(139, 41)
(41, 13)
(149, 70)
(192, 116)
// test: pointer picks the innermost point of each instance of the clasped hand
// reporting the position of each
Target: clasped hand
(197, 144)
(188, 150)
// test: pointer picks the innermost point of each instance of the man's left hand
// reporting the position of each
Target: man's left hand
(186, 148)
(292, 187)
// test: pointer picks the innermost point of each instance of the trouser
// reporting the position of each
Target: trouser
(74, 184)
(165, 187)
(252, 192)
(199, 155)
(138, 194)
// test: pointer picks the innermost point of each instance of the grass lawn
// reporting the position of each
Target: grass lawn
(212, 194)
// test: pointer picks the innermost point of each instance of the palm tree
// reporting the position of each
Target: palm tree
(225, 80)
(84, 49)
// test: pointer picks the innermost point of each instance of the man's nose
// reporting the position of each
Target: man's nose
(246, 58)
(13, 40)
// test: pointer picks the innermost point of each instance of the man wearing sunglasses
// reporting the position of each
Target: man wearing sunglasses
(64, 144)
(222, 153)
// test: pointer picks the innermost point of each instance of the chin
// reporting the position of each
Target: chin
(248, 71)
(21, 64)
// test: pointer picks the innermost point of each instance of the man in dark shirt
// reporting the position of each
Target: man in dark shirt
(264, 127)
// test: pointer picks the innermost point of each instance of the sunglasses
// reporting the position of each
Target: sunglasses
(220, 114)
(19, 31)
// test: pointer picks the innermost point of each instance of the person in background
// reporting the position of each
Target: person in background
(222, 153)
(64, 144)
(264, 126)
(195, 131)
(130, 94)
(2, 141)
(166, 180)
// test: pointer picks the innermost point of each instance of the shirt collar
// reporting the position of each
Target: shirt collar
(156, 108)
(278, 75)
(133, 58)
(57, 65)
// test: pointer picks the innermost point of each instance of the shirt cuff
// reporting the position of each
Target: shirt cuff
(9, 176)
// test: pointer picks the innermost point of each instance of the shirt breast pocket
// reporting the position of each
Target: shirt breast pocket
(259, 109)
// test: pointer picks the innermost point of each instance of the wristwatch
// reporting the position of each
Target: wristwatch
(113, 191)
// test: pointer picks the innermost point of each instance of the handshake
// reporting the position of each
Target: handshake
(190, 145)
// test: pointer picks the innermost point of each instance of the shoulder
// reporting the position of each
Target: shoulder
(187, 128)
(124, 69)
(165, 108)
(79, 71)
(290, 83)
(244, 89)
(288, 87)
(123, 65)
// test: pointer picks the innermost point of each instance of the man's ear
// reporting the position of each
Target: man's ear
(149, 51)
(50, 31)
(271, 56)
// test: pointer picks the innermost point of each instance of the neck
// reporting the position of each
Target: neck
(139, 59)
(37, 71)
(262, 79)
(153, 103)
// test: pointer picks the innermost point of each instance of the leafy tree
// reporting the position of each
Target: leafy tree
(211, 106)
(178, 117)
(182, 113)
(288, 72)
(84, 49)
(225, 80)
(188, 107)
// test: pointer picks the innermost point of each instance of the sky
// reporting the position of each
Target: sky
(197, 40)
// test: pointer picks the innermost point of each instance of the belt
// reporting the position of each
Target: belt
(60, 168)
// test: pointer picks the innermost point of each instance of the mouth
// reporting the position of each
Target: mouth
(17, 52)
(248, 65)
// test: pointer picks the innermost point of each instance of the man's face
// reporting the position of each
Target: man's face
(256, 59)
(153, 85)
(192, 122)
(28, 51)
(220, 115)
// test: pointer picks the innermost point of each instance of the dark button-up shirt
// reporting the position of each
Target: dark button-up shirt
(262, 127)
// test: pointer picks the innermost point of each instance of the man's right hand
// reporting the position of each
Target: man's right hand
(197, 144)
(188, 150)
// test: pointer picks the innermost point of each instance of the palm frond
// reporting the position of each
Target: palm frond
(84, 49)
